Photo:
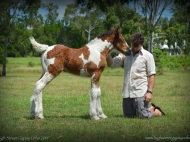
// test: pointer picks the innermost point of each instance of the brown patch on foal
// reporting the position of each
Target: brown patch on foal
(105, 51)
(98, 71)
(67, 58)
(108, 38)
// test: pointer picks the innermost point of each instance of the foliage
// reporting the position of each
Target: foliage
(30, 64)
(1, 55)
(124, 17)
(157, 55)
(179, 24)
(163, 60)
(103, 5)
(24, 10)
(88, 21)
(81, 24)
(152, 11)
(52, 12)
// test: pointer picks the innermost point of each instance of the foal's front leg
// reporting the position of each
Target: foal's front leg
(93, 103)
(99, 107)
(96, 111)
(95, 106)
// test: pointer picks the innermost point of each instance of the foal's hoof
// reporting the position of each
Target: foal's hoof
(39, 117)
(95, 118)
(103, 116)
(32, 116)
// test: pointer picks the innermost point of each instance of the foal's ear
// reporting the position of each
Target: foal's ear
(118, 30)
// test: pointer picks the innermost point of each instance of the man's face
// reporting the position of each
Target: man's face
(135, 49)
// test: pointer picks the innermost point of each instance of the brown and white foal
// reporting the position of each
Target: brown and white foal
(88, 60)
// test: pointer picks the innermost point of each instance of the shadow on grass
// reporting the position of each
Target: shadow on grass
(54, 117)
(69, 116)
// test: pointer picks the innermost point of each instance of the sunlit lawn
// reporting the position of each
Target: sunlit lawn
(66, 107)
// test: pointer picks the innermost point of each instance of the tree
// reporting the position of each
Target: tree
(19, 42)
(175, 34)
(18, 7)
(86, 20)
(152, 11)
(52, 12)
(163, 23)
(124, 17)
(181, 16)
(94, 18)
(103, 5)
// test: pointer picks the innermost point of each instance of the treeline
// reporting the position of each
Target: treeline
(83, 21)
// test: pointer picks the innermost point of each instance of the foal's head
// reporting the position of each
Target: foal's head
(116, 38)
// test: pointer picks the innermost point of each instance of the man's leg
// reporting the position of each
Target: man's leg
(142, 108)
(129, 107)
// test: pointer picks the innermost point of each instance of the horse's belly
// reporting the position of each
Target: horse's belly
(80, 72)
(83, 73)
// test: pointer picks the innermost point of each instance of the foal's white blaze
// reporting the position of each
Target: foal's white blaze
(127, 44)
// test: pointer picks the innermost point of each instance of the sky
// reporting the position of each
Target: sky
(63, 4)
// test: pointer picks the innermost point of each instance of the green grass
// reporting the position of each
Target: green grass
(66, 107)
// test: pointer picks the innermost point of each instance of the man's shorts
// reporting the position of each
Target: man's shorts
(136, 107)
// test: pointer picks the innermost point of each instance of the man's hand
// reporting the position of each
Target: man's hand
(109, 60)
(148, 97)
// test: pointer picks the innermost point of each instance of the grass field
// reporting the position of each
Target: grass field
(66, 106)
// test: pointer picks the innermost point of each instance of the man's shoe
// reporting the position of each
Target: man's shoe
(156, 107)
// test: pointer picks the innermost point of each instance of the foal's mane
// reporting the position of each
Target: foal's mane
(106, 33)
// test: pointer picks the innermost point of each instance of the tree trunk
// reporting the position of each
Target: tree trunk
(149, 45)
(151, 41)
(5, 57)
(89, 32)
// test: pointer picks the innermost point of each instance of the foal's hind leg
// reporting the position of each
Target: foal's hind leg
(36, 110)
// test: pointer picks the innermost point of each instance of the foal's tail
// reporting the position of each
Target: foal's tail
(37, 46)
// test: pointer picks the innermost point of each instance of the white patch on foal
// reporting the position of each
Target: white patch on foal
(95, 47)
(97, 44)
(46, 62)
(93, 57)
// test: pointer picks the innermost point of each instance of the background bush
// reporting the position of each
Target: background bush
(163, 60)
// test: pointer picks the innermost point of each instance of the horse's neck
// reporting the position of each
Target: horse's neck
(103, 47)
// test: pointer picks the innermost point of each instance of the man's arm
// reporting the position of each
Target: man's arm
(151, 81)
(116, 62)
(109, 60)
